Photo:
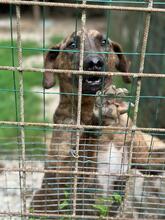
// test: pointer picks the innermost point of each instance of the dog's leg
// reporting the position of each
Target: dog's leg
(57, 185)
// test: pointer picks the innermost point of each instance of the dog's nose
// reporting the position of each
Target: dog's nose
(94, 64)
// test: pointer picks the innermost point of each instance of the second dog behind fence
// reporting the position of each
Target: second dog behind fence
(56, 193)
(109, 156)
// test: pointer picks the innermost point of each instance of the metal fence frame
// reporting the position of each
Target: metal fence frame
(21, 124)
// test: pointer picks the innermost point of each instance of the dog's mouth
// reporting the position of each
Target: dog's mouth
(91, 84)
(93, 81)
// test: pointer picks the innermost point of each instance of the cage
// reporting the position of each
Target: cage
(92, 146)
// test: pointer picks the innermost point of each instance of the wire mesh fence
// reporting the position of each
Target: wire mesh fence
(91, 160)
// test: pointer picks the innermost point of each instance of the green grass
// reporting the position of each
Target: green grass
(9, 91)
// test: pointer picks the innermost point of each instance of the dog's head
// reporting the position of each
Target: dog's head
(66, 56)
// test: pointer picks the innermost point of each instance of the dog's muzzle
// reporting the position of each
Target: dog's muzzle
(91, 84)
(94, 63)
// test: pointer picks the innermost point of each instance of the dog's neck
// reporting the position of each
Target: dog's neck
(86, 109)
(67, 108)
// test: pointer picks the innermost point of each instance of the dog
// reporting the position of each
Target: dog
(110, 149)
(55, 195)
(113, 111)
(112, 154)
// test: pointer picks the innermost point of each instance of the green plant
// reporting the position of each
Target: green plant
(66, 218)
(117, 198)
(31, 210)
(65, 203)
(103, 204)
(102, 209)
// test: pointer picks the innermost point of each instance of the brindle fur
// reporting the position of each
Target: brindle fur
(54, 186)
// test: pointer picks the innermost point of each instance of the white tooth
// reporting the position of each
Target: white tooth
(98, 80)
(93, 82)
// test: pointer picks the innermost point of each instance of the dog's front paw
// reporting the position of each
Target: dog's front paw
(112, 90)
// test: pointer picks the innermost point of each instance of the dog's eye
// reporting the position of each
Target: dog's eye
(72, 45)
(104, 42)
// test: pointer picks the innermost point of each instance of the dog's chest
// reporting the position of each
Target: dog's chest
(111, 160)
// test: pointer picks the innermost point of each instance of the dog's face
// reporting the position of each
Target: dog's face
(66, 55)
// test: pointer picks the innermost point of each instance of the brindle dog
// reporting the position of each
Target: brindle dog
(56, 193)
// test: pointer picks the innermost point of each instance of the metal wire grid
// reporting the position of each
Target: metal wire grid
(86, 6)
(21, 123)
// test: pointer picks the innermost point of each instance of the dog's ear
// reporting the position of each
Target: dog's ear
(122, 65)
(50, 63)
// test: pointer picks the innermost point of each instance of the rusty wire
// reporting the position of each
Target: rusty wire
(82, 6)
(138, 91)
(78, 172)
(21, 98)
(81, 127)
(60, 216)
(80, 72)
(83, 23)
